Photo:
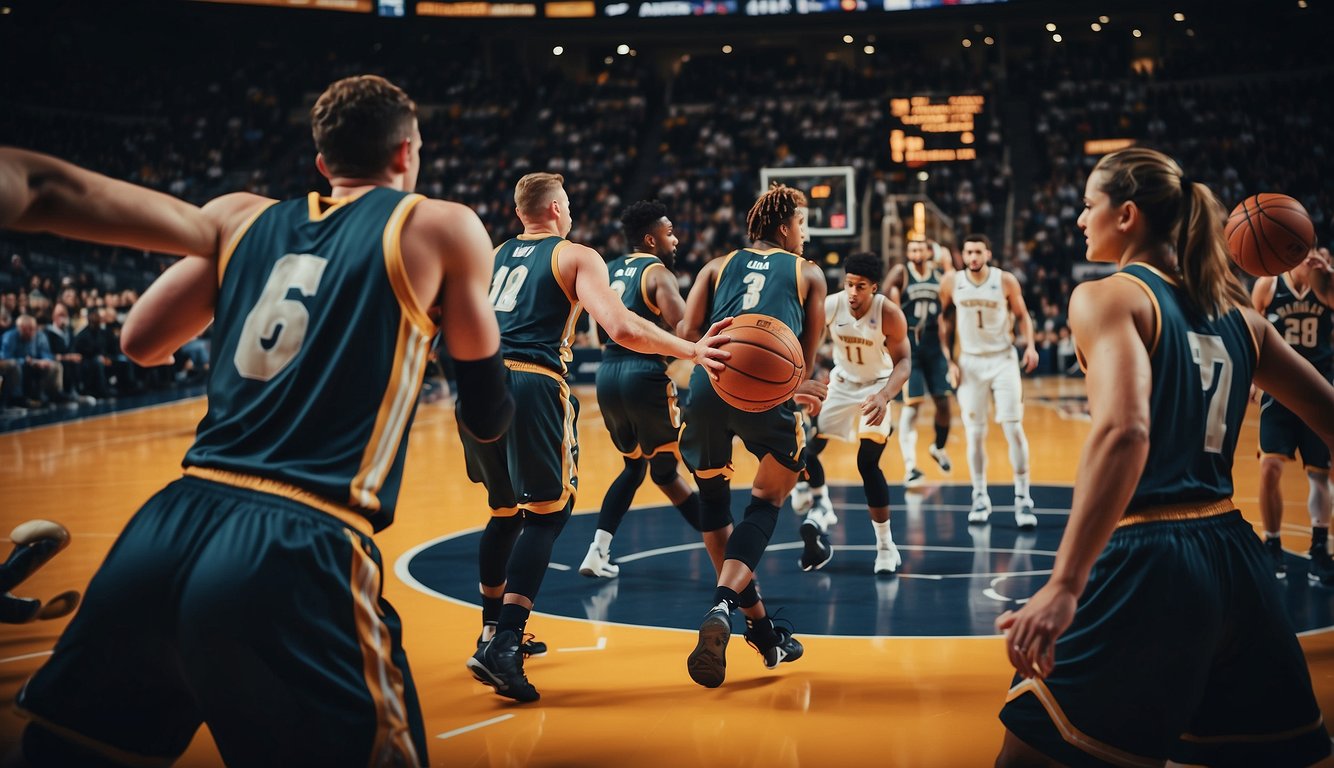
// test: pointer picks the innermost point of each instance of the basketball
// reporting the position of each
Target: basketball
(1269, 234)
(766, 365)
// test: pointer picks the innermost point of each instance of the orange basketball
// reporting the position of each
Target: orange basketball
(1268, 234)
(766, 365)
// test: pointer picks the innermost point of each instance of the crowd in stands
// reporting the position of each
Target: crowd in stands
(694, 132)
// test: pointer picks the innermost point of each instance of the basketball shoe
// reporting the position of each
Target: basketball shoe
(775, 644)
(818, 551)
(887, 560)
(1275, 548)
(1322, 567)
(981, 509)
(707, 664)
(597, 564)
(499, 664)
(942, 459)
(1024, 518)
(529, 646)
(915, 479)
(802, 498)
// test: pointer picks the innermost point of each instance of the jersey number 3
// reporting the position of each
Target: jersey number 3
(276, 326)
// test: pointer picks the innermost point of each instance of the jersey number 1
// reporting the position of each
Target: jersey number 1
(276, 326)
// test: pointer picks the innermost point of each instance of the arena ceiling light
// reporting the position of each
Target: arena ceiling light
(727, 49)
(1178, 16)
(1096, 27)
(847, 39)
(989, 40)
(558, 50)
(1136, 33)
(967, 43)
(622, 49)
(1105, 19)
(868, 50)
(1056, 38)
(1051, 26)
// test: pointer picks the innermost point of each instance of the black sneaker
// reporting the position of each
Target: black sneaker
(787, 647)
(499, 664)
(530, 646)
(707, 664)
(1275, 548)
(1322, 568)
(818, 551)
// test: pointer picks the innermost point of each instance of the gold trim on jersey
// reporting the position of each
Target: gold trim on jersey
(875, 437)
(569, 469)
(226, 256)
(1156, 271)
(391, 419)
(930, 272)
(718, 276)
(725, 472)
(538, 236)
(1257, 738)
(384, 680)
(643, 286)
(1157, 310)
(504, 511)
(348, 516)
(1072, 735)
(115, 754)
(770, 251)
(798, 266)
(555, 271)
(1193, 510)
(314, 199)
(392, 241)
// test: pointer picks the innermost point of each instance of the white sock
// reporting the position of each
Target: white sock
(603, 540)
(1271, 535)
(977, 457)
(883, 538)
(908, 438)
(817, 492)
(1021, 485)
(1317, 500)
(1018, 444)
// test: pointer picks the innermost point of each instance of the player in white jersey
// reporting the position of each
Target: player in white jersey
(872, 361)
(983, 302)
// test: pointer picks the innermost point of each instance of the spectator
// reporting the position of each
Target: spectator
(35, 372)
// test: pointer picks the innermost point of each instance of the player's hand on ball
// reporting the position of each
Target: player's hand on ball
(875, 407)
(707, 353)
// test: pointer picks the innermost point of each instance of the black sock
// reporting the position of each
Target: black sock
(725, 595)
(513, 618)
(1319, 537)
(942, 434)
(689, 510)
(491, 609)
(761, 631)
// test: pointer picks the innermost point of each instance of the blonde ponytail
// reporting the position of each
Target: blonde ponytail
(1206, 267)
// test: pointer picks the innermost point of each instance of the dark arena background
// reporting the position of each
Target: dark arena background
(899, 119)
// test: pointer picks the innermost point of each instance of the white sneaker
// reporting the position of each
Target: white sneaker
(802, 498)
(598, 564)
(941, 458)
(914, 479)
(887, 560)
(1023, 514)
(825, 508)
(981, 510)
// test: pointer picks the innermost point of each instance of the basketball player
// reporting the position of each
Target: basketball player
(1298, 304)
(916, 288)
(541, 283)
(637, 399)
(770, 278)
(871, 363)
(247, 595)
(1142, 645)
(983, 302)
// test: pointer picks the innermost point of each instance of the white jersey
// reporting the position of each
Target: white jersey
(982, 316)
(859, 344)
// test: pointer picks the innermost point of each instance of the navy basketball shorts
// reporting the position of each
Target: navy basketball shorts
(1283, 434)
(710, 424)
(250, 611)
(535, 465)
(639, 405)
(1180, 649)
(930, 372)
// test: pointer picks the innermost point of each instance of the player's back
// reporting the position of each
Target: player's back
(319, 350)
(859, 343)
(921, 301)
(1304, 321)
(766, 282)
(536, 311)
(629, 280)
(1202, 369)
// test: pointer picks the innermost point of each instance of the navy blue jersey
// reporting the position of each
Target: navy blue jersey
(1202, 369)
(921, 303)
(628, 276)
(536, 311)
(319, 351)
(765, 282)
(1304, 321)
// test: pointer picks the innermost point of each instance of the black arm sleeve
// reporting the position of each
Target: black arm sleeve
(485, 407)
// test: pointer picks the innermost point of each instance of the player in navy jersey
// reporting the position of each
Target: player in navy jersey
(770, 278)
(1298, 303)
(638, 401)
(1142, 645)
(541, 282)
(252, 585)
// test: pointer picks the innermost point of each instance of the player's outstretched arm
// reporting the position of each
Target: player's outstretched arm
(593, 289)
(40, 193)
(1015, 295)
(178, 306)
(1111, 319)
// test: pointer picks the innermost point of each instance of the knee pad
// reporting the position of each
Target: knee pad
(873, 479)
(715, 503)
(662, 469)
(751, 536)
(635, 469)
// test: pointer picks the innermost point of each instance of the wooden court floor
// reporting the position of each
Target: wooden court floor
(612, 695)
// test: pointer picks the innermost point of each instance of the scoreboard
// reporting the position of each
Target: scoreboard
(932, 129)
(607, 9)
